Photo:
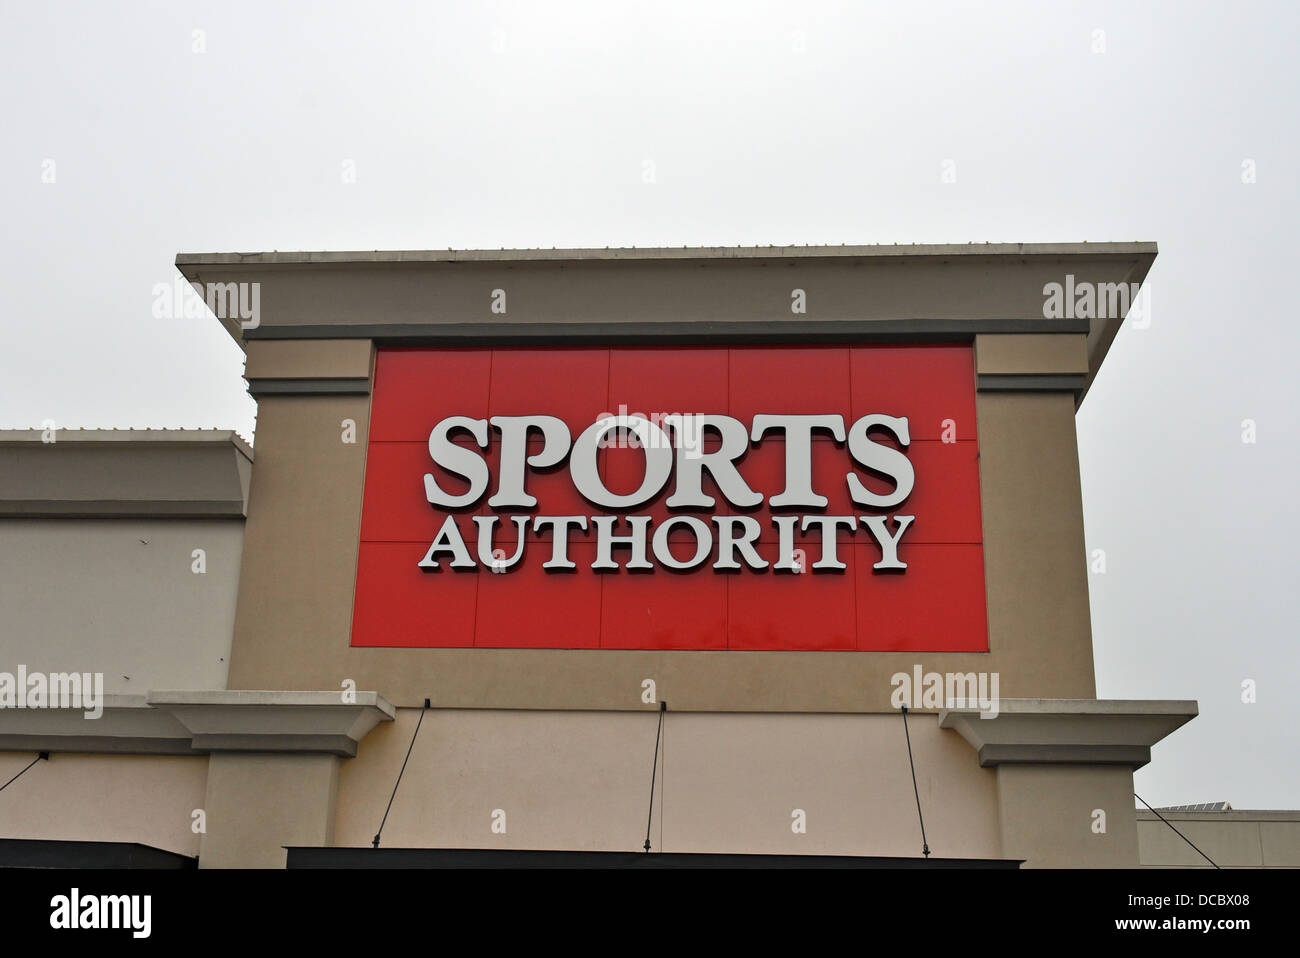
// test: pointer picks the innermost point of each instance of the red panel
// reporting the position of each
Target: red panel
(927, 384)
(797, 381)
(399, 604)
(416, 388)
(527, 607)
(946, 496)
(937, 605)
(637, 613)
(395, 507)
(944, 499)
(806, 611)
(570, 384)
(687, 381)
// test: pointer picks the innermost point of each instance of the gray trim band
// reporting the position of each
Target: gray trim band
(335, 744)
(782, 331)
(1134, 756)
(121, 509)
(710, 255)
(98, 744)
(1021, 382)
(309, 387)
(200, 723)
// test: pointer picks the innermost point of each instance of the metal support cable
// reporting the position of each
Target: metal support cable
(654, 768)
(925, 849)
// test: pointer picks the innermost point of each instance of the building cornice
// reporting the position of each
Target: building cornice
(1069, 731)
(124, 473)
(202, 722)
(683, 296)
(702, 254)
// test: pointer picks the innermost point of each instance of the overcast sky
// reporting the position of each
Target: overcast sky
(136, 130)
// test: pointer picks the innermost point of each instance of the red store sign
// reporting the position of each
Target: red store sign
(748, 498)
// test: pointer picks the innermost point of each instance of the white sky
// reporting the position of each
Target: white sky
(517, 125)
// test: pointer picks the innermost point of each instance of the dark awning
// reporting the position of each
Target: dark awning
(39, 853)
(509, 858)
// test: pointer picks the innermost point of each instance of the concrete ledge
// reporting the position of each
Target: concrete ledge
(275, 721)
(1069, 731)
(201, 722)
(124, 473)
(1134, 756)
(127, 726)
(689, 254)
(1229, 815)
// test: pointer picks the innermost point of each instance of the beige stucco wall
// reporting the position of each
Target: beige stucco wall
(149, 799)
(119, 596)
(1232, 839)
(1031, 353)
(560, 741)
(1048, 815)
(293, 627)
(308, 359)
(726, 783)
(258, 803)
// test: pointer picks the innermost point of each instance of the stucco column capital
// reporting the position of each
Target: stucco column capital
(271, 721)
(1069, 731)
